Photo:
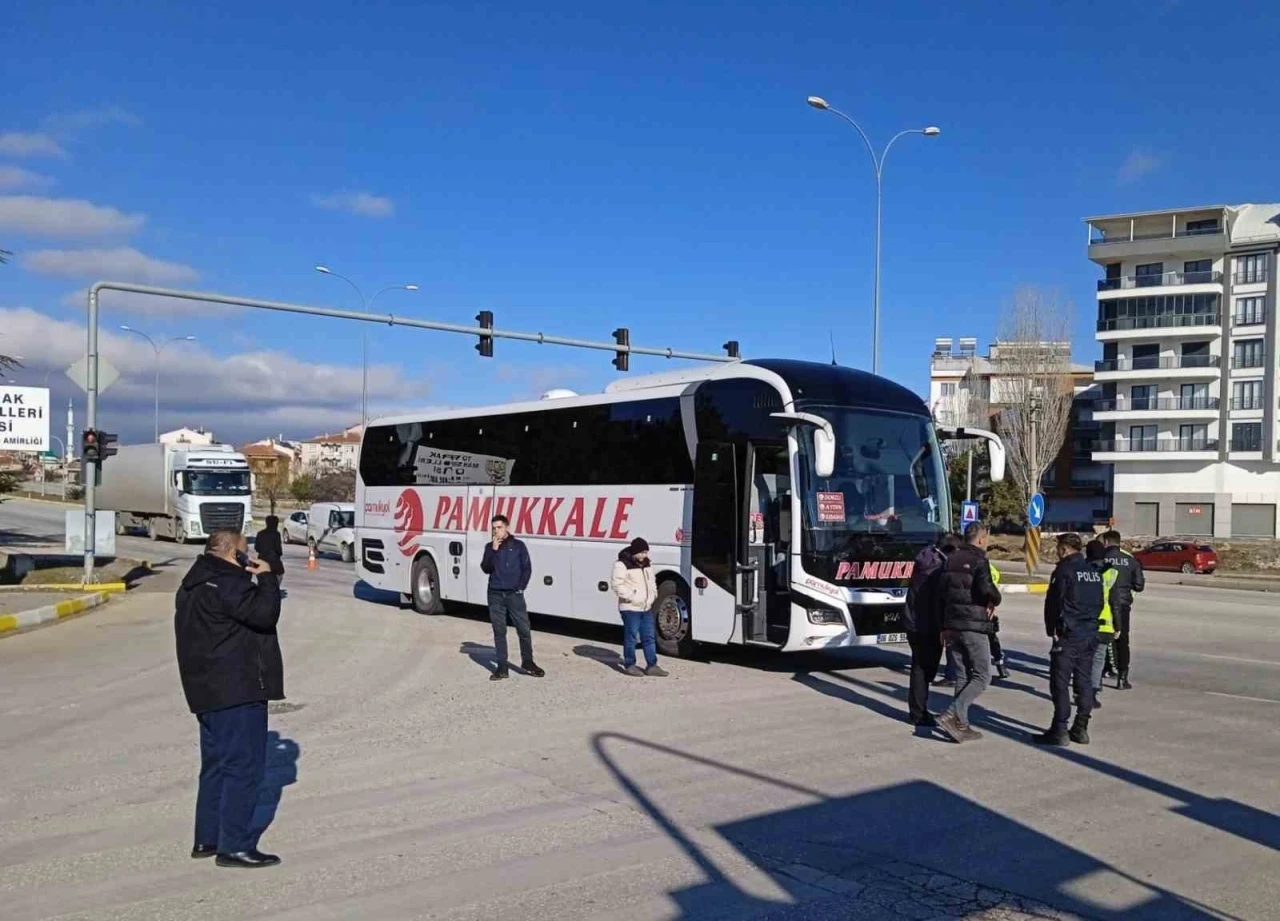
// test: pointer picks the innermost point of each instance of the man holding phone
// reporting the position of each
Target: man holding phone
(230, 664)
(506, 562)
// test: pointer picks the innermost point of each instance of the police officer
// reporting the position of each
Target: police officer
(1096, 551)
(993, 638)
(1129, 579)
(1072, 607)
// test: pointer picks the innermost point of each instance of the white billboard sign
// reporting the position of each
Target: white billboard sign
(434, 467)
(24, 419)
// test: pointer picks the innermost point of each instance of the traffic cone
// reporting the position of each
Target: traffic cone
(311, 557)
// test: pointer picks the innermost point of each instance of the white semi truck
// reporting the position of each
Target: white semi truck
(178, 491)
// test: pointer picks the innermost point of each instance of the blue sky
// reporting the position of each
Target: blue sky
(576, 168)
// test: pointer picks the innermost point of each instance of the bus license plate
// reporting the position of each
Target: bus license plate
(891, 638)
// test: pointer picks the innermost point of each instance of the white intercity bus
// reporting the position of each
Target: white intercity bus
(783, 501)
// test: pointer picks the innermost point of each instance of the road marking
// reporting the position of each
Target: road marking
(1205, 655)
(1261, 700)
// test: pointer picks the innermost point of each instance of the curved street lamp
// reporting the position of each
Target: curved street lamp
(877, 161)
(157, 349)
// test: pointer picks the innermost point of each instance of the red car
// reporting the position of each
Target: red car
(1178, 556)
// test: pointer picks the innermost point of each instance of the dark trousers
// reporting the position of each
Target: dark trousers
(504, 605)
(997, 651)
(233, 756)
(1071, 664)
(926, 653)
(1121, 645)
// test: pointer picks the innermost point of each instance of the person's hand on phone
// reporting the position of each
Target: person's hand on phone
(258, 567)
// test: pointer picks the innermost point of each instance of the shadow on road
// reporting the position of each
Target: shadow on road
(862, 855)
(610, 658)
(281, 771)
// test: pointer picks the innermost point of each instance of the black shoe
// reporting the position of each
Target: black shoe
(927, 721)
(1123, 682)
(204, 850)
(1002, 672)
(532, 670)
(247, 860)
(1079, 734)
(1097, 700)
(500, 674)
(1052, 737)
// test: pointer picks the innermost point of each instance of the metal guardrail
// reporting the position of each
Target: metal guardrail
(1249, 361)
(1163, 235)
(1158, 364)
(1167, 321)
(1249, 278)
(1155, 445)
(1156, 403)
(1125, 282)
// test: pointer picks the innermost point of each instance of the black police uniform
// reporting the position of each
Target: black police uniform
(1072, 607)
(1129, 580)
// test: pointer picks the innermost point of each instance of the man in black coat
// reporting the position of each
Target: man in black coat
(968, 596)
(923, 617)
(1129, 580)
(269, 547)
(1072, 606)
(230, 665)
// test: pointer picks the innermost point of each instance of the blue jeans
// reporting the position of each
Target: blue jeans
(637, 626)
(233, 759)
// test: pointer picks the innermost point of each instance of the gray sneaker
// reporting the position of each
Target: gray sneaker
(635, 671)
(969, 734)
(951, 727)
(656, 671)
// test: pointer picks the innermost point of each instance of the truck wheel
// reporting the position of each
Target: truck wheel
(671, 621)
(424, 589)
(348, 553)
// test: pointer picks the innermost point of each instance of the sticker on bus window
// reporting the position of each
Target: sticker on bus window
(831, 506)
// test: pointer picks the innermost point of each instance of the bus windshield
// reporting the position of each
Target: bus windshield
(888, 480)
(216, 482)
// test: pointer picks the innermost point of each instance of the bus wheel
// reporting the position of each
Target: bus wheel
(425, 587)
(671, 621)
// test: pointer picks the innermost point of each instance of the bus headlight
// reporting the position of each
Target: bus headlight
(824, 616)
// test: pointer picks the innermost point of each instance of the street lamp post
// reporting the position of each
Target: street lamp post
(364, 338)
(157, 349)
(877, 161)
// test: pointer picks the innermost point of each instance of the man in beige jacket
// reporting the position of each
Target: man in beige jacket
(637, 591)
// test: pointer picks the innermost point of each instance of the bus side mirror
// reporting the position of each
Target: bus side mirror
(995, 447)
(995, 450)
(824, 440)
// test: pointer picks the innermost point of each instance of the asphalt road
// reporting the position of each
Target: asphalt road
(404, 784)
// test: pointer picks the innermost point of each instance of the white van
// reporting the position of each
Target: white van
(332, 526)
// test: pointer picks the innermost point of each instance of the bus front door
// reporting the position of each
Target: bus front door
(764, 597)
(716, 543)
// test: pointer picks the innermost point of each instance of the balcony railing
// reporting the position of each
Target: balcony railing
(1251, 318)
(1246, 403)
(1156, 403)
(1248, 361)
(1125, 282)
(1250, 277)
(1126, 237)
(1136, 445)
(1246, 444)
(1165, 321)
(1158, 364)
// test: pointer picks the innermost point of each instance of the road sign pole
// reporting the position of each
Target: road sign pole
(88, 470)
(1031, 550)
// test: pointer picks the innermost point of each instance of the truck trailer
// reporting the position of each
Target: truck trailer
(178, 491)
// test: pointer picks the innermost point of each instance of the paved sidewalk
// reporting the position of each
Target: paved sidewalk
(25, 610)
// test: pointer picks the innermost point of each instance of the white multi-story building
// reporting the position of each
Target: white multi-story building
(331, 453)
(966, 388)
(1187, 322)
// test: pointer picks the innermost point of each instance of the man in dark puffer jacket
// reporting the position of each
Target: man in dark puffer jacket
(968, 596)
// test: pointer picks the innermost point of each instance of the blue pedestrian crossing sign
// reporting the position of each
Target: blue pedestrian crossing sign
(1035, 510)
(968, 512)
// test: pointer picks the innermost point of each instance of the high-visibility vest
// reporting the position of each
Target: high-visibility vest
(995, 573)
(1105, 622)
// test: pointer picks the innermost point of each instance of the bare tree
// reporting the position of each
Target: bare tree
(1032, 383)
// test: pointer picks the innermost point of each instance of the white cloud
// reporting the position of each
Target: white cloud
(363, 204)
(122, 263)
(70, 123)
(13, 178)
(63, 217)
(29, 144)
(241, 397)
(1138, 164)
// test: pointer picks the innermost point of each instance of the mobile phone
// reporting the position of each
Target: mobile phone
(243, 559)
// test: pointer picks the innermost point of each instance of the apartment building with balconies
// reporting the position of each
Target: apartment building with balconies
(1188, 407)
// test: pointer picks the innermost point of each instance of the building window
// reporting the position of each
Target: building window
(1149, 275)
(1143, 396)
(1246, 436)
(1251, 268)
(1250, 311)
(1158, 310)
(1247, 353)
(949, 390)
(1194, 396)
(1142, 438)
(1193, 437)
(1209, 225)
(1246, 395)
(1197, 271)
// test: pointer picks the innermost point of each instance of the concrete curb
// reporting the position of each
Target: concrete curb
(1034, 588)
(26, 620)
(111, 588)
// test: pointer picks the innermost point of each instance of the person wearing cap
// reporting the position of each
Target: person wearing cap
(637, 591)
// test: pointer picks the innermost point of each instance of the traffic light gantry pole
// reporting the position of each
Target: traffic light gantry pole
(485, 332)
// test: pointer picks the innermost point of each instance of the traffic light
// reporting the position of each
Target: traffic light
(485, 345)
(621, 358)
(89, 447)
(731, 348)
(107, 444)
